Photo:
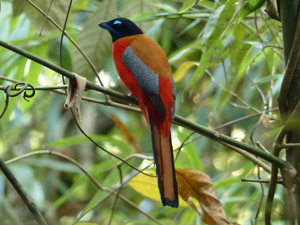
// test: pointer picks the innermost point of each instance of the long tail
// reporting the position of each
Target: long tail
(163, 158)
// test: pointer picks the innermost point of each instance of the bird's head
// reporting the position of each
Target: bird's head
(120, 28)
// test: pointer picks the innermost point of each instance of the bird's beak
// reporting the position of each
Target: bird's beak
(103, 25)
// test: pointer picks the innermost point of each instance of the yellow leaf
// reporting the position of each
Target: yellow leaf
(147, 186)
(179, 73)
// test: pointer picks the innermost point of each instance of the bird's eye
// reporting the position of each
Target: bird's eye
(117, 22)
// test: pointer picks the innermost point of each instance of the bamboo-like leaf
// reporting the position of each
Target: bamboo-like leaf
(224, 15)
(204, 61)
(182, 69)
(187, 6)
(94, 41)
(249, 7)
(268, 78)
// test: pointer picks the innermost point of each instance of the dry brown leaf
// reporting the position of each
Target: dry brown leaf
(196, 184)
(126, 134)
(73, 86)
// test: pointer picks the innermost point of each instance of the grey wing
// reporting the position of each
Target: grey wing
(146, 79)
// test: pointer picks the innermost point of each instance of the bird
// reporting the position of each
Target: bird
(144, 68)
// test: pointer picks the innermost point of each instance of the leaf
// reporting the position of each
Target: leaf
(196, 184)
(187, 6)
(148, 187)
(94, 41)
(18, 7)
(126, 134)
(188, 154)
(57, 12)
(204, 61)
(268, 78)
(179, 73)
(249, 7)
(211, 23)
(221, 19)
(239, 51)
(140, 9)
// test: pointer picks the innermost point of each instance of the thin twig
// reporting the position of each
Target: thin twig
(116, 196)
(55, 89)
(230, 92)
(260, 181)
(25, 197)
(94, 181)
(249, 156)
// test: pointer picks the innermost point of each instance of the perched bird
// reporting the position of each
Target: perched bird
(144, 68)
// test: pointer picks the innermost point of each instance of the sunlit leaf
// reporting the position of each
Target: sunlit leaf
(148, 186)
(182, 69)
(187, 6)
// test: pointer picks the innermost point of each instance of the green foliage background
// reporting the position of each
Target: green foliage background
(211, 48)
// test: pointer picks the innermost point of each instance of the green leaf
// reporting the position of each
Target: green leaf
(94, 41)
(207, 4)
(221, 19)
(254, 44)
(211, 23)
(187, 6)
(268, 78)
(57, 12)
(18, 7)
(249, 7)
(190, 153)
(204, 61)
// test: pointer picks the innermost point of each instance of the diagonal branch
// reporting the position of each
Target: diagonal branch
(25, 197)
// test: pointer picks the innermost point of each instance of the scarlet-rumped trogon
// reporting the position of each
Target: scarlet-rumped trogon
(144, 68)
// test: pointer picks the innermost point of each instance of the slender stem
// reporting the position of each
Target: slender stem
(251, 157)
(259, 181)
(25, 197)
(95, 182)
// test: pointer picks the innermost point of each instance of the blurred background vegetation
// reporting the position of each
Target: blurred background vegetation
(217, 50)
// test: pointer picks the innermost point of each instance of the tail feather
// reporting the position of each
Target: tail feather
(163, 158)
